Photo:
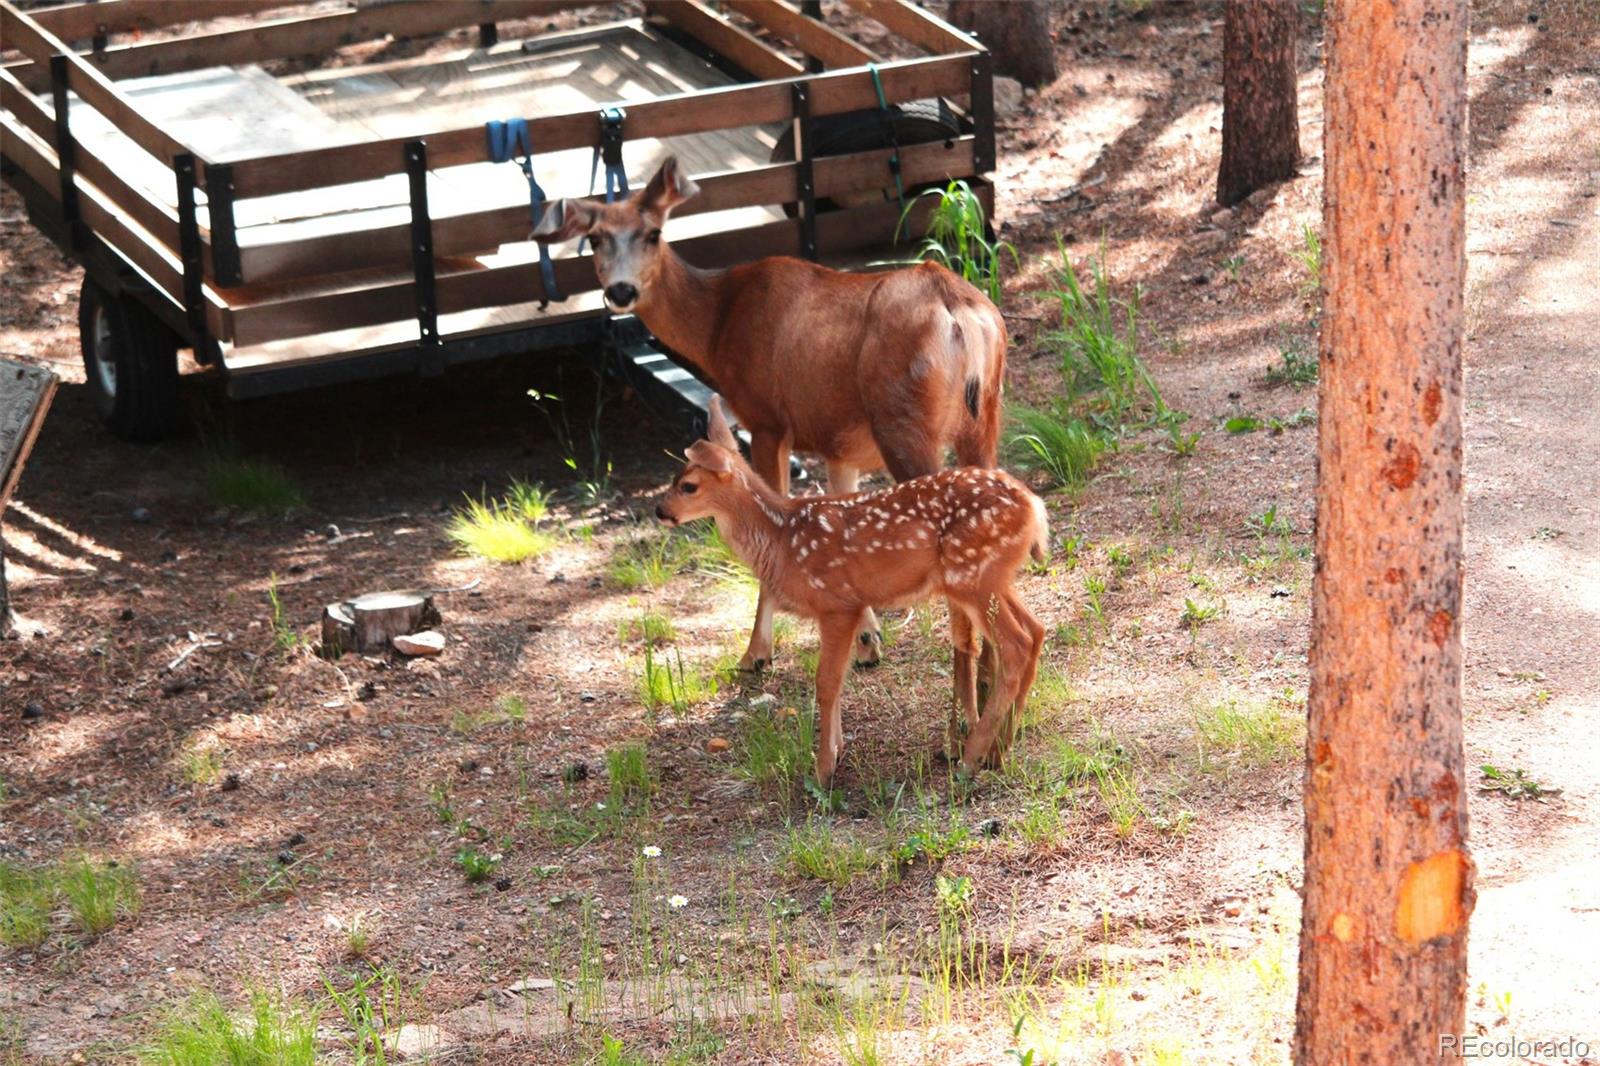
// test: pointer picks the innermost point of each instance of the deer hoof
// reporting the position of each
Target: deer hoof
(870, 649)
(753, 664)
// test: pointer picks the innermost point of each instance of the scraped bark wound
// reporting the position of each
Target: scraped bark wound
(1388, 883)
(1260, 116)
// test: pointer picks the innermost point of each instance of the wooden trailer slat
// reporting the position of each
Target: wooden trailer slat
(917, 26)
(837, 231)
(158, 219)
(815, 39)
(79, 22)
(23, 34)
(669, 116)
(774, 183)
(103, 220)
(721, 36)
(309, 35)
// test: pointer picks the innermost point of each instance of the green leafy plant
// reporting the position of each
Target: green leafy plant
(1195, 615)
(1297, 363)
(1309, 255)
(283, 631)
(477, 866)
(958, 237)
(1514, 784)
(1243, 424)
(594, 471)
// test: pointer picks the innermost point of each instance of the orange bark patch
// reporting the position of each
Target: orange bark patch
(1432, 401)
(1419, 806)
(1430, 903)
(1343, 927)
(1439, 626)
(1401, 469)
(1394, 575)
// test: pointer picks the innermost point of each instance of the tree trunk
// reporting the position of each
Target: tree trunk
(1388, 878)
(1016, 34)
(1260, 123)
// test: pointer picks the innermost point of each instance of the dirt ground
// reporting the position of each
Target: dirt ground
(1164, 936)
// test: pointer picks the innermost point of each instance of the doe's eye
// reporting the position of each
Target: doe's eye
(688, 488)
(654, 236)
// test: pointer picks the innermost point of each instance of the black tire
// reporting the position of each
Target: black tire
(131, 360)
(914, 122)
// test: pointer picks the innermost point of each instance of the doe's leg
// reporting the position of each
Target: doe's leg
(843, 480)
(838, 635)
(769, 455)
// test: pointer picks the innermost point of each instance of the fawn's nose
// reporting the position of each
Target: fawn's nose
(661, 513)
(621, 295)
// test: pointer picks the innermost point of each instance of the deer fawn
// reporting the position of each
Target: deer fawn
(865, 370)
(961, 533)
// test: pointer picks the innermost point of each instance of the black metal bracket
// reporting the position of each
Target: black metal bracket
(226, 269)
(424, 292)
(812, 9)
(66, 150)
(194, 295)
(488, 35)
(805, 183)
(982, 104)
(98, 41)
(611, 120)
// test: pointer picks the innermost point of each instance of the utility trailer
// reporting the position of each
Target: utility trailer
(352, 221)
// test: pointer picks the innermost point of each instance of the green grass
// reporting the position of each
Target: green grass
(497, 530)
(202, 767)
(628, 770)
(509, 709)
(613, 1052)
(1309, 255)
(1253, 733)
(649, 628)
(1099, 347)
(89, 896)
(816, 851)
(1063, 446)
(253, 486)
(957, 237)
(283, 631)
(650, 561)
(666, 682)
(777, 747)
(202, 1032)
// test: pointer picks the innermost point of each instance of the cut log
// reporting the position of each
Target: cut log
(338, 631)
(370, 623)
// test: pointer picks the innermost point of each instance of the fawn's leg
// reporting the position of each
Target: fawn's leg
(964, 708)
(838, 632)
(1012, 644)
(769, 455)
(1006, 732)
(842, 480)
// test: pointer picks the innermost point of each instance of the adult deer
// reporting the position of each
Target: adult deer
(866, 370)
(962, 534)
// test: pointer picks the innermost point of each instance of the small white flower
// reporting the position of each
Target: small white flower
(599, 806)
(651, 851)
(677, 903)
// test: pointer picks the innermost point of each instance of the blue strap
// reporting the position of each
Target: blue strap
(894, 141)
(507, 140)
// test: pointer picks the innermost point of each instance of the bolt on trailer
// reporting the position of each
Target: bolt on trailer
(370, 216)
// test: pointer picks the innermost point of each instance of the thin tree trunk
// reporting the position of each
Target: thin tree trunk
(1017, 34)
(1388, 878)
(1260, 120)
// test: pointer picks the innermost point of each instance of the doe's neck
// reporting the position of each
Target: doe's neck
(683, 306)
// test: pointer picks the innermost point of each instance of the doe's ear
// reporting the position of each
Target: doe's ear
(719, 430)
(669, 188)
(705, 454)
(563, 220)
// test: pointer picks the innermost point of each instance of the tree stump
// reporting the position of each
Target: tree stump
(369, 623)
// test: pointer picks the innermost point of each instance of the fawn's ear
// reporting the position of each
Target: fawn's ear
(669, 188)
(563, 220)
(705, 454)
(717, 426)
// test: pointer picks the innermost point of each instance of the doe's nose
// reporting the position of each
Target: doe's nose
(621, 294)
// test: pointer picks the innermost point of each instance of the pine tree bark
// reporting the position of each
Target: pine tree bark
(1388, 877)
(1016, 34)
(1260, 118)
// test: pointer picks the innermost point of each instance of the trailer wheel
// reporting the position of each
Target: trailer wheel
(913, 122)
(131, 360)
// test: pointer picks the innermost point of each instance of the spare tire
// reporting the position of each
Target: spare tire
(131, 360)
(913, 122)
